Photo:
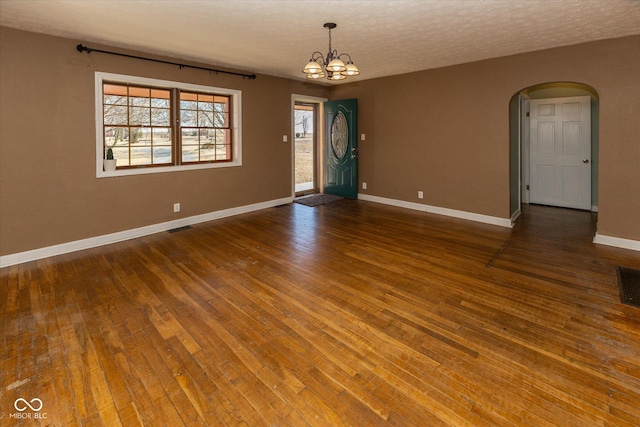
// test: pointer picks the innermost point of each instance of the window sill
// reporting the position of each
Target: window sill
(162, 169)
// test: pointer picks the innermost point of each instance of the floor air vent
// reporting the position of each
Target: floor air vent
(629, 281)
(173, 230)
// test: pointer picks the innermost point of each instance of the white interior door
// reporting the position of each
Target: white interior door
(560, 152)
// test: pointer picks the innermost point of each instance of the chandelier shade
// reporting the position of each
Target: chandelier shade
(351, 70)
(336, 66)
(332, 66)
(312, 67)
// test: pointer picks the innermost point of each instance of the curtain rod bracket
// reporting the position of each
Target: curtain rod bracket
(80, 48)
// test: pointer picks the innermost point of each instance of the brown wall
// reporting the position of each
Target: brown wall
(446, 131)
(49, 193)
(443, 131)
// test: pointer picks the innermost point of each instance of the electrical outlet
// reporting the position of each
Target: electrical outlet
(364, 185)
(420, 195)
(176, 207)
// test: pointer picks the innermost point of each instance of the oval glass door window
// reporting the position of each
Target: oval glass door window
(339, 134)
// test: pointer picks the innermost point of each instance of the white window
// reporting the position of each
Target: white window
(151, 126)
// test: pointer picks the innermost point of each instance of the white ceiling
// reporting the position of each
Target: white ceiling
(277, 37)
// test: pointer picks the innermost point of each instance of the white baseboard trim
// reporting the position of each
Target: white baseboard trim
(515, 216)
(618, 242)
(393, 202)
(92, 242)
(486, 219)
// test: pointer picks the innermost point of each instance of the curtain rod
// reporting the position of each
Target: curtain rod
(82, 48)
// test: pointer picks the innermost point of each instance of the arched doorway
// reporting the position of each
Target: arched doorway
(519, 138)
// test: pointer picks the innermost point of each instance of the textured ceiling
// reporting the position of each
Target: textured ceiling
(277, 37)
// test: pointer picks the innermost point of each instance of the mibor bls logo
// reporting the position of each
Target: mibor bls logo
(21, 405)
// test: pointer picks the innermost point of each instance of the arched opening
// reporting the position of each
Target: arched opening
(519, 138)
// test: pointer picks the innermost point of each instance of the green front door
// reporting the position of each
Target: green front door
(341, 148)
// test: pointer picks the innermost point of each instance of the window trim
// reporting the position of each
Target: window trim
(236, 125)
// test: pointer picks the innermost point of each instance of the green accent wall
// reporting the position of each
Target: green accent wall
(514, 154)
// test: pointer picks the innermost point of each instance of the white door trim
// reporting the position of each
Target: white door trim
(319, 136)
(524, 147)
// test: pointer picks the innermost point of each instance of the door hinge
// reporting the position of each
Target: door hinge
(527, 186)
(527, 114)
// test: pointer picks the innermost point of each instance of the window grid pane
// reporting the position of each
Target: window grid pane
(205, 127)
(139, 134)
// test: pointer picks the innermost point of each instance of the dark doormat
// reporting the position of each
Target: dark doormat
(629, 281)
(317, 199)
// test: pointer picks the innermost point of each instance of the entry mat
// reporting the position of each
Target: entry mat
(317, 199)
(629, 281)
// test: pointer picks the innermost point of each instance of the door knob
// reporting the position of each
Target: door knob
(585, 161)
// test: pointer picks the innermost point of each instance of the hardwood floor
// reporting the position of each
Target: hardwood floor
(352, 313)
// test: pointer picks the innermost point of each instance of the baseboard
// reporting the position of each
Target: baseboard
(393, 202)
(470, 216)
(515, 216)
(92, 242)
(618, 242)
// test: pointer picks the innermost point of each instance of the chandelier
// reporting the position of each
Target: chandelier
(331, 67)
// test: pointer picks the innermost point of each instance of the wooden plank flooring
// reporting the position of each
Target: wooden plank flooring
(351, 313)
